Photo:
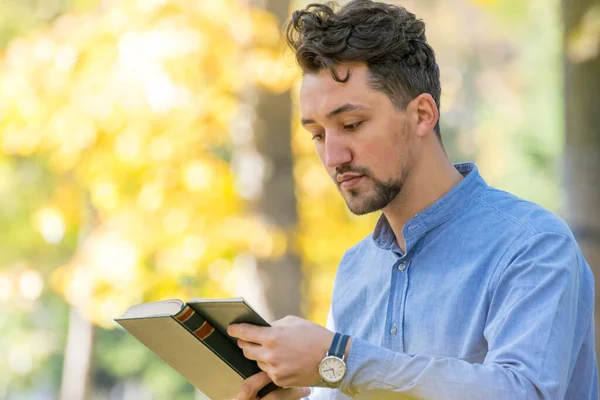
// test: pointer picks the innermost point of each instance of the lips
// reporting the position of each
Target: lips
(348, 181)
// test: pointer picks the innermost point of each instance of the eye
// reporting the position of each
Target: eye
(318, 137)
(352, 127)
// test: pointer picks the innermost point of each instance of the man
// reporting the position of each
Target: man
(462, 291)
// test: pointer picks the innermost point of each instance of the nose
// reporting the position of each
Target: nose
(337, 151)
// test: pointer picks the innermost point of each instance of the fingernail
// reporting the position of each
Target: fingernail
(306, 392)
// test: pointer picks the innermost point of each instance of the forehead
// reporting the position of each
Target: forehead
(320, 93)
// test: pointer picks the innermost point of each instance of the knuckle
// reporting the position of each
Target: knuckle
(270, 358)
(263, 366)
(277, 379)
(280, 378)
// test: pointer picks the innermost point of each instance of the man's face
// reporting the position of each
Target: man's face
(362, 139)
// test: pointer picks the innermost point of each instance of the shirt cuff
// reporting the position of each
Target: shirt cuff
(364, 367)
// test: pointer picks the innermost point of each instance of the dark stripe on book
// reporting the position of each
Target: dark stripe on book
(194, 321)
(184, 314)
(204, 331)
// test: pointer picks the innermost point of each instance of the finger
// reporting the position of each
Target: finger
(252, 385)
(252, 351)
(288, 394)
(264, 366)
(247, 332)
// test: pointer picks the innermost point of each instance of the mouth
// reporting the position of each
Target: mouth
(352, 182)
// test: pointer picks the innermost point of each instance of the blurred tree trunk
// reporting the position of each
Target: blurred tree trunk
(582, 145)
(77, 378)
(76, 373)
(281, 278)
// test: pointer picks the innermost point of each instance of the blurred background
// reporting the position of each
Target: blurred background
(151, 149)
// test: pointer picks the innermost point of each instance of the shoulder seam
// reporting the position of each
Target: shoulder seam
(504, 215)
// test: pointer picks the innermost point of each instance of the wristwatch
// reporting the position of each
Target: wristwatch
(332, 367)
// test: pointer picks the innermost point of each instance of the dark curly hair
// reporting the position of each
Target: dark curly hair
(389, 39)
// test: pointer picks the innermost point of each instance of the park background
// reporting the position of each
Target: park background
(151, 149)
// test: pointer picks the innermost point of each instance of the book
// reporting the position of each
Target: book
(192, 338)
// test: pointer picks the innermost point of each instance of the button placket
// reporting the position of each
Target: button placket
(402, 308)
(394, 317)
(395, 335)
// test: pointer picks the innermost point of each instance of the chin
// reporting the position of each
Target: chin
(358, 206)
(360, 211)
(361, 204)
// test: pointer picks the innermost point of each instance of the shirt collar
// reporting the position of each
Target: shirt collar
(459, 197)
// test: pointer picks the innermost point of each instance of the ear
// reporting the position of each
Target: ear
(425, 112)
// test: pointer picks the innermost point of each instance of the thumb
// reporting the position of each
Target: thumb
(289, 394)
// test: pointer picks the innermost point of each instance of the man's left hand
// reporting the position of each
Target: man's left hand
(289, 351)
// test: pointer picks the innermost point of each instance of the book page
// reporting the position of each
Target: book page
(154, 309)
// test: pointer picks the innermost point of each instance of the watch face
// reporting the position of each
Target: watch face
(332, 369)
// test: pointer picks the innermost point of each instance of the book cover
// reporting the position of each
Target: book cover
(192, 339)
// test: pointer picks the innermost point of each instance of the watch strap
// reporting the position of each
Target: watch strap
(338, 345)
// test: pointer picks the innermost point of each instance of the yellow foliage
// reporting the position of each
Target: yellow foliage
(485, 2)
(583, 44)
(131, 107)
(133, 114)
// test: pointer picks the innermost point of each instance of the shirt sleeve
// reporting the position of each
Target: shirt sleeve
(533, 334)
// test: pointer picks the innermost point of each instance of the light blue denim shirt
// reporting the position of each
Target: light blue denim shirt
(493, 300)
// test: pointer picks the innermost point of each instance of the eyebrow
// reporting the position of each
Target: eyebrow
(340, 110)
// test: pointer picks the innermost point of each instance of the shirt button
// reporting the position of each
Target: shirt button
(401, 266)
(394, 330)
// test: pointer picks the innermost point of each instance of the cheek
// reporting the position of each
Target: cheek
(384, 149)
(380, 158)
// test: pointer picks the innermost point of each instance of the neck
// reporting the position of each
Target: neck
(428, 181)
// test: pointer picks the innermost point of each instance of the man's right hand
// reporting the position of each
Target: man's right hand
(252, 385)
